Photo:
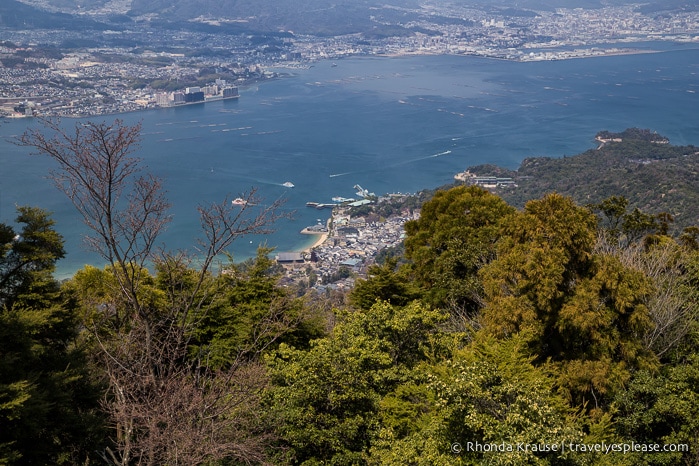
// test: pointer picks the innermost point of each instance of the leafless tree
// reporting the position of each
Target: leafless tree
(187, 413)
(124, 211)
(167, 408)
(671, 308)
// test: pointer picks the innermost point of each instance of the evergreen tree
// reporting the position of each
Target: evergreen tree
(453, 238)
(580, 311)
(48, 404)
(250, 312)
(329, 395)
(383, 283)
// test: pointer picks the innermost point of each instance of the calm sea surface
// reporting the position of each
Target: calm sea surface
(387, 124)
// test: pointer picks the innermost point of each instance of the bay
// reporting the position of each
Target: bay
(387, 124)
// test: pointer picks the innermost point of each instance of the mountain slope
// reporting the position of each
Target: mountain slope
(17, 15)
(301, 16)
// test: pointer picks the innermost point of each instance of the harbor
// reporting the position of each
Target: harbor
(345, 242)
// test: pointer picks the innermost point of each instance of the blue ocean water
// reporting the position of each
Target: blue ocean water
(387, 124)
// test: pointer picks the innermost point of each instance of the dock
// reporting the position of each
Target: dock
(318, 205)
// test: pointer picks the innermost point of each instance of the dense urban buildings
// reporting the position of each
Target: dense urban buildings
(48, 72)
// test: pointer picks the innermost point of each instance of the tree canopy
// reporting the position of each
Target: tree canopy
(550, 325)
(49, 410)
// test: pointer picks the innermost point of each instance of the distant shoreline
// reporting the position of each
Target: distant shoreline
(600, 50)
(567, 122)
(534, 55)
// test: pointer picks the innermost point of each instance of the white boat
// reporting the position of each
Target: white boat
(239, 201)
(288, 184)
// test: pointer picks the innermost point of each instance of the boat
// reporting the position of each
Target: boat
(239, 201)
(363, 192)
(288, 184)
(343, 199)
(318, 205)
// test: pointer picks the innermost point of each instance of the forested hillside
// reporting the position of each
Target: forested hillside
(551, 334)
(641, 166)
(17, 15)
(370, 17)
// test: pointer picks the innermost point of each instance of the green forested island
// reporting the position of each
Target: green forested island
(555, 333)
(653, 175)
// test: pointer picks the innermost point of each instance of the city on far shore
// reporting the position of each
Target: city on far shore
(137, 65)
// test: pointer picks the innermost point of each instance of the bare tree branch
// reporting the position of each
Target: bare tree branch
(670, 308)
(96, 171)
(166, 406)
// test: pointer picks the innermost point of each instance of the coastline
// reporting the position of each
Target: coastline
(540, 54)
(320, 239)
(289, 238)
(321, 236)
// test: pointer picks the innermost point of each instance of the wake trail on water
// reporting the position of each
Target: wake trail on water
(404, 162)
(179, 139)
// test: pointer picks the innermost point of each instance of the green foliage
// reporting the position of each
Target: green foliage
(383, 283)
(613, 208)
(48, 405)
(654, 177)
(579, 332)
(27, 259)
(48, 408)
(662, 407)
(544, 249)
(329, 396)
(487, 394)
(97, 292)
(600, 330)
(637, 225)
(102, 304)
(249, 313)
(583, 312)
(634, 134)
(690, 238)
(451, 241)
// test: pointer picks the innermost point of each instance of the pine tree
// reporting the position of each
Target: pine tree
(48, 405)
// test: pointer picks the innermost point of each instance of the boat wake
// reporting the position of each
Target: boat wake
(231, 129)
(405, 162)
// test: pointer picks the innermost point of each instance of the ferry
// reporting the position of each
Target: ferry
(343, 199)
(239, 201)
(318, 205)
(288, 184)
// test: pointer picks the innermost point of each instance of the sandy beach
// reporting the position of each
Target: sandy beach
(321, 237)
